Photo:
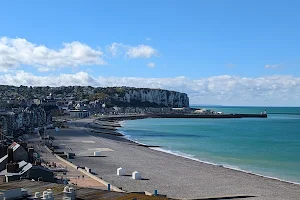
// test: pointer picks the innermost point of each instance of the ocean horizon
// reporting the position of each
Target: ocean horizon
(266, 146)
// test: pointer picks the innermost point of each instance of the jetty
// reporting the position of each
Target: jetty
(210, 116)
(176, 115)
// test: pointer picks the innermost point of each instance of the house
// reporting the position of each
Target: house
(49, 102)
(79, 113)
(17, 163)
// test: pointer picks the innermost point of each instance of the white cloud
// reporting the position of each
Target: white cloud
(45, 69)
(18, 51)
(114, 48)
(151, 64)
(24, 78)
(141, 51)
(148, 39)
(225, 90)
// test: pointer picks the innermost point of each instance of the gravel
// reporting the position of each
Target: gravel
(174, 176)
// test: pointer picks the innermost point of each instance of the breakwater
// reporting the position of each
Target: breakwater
(217, 116)
(210, 116)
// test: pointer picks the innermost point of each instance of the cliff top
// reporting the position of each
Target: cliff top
(22, 87)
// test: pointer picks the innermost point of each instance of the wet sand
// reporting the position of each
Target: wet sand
(172, 175)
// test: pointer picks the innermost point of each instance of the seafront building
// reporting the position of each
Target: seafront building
(21, 161)
(79, 113)
(16, 122)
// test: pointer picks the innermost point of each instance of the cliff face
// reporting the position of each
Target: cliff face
(111, 96)
(160, 97)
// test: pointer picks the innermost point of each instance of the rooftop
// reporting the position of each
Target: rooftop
(82, 193)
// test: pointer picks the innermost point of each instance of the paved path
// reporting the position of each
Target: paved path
(74, 176)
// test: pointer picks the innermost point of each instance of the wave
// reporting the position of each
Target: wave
(122, 122)
(227, 166)
(193, 157)
(128, 137)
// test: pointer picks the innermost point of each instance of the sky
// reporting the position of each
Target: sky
(218, 52)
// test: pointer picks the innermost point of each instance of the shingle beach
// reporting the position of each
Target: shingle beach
(174, 176)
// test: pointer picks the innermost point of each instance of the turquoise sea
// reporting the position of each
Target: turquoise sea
(269, 147)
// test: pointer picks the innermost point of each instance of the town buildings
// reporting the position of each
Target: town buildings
(16, 122)
(79, 113)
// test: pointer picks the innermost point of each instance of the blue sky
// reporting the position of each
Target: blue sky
(189, 46)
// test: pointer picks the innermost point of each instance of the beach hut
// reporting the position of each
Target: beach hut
(121, 171)
(136, 175)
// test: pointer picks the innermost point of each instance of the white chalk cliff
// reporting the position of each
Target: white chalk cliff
(158, 96)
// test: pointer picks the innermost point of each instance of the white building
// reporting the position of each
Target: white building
(79, 113)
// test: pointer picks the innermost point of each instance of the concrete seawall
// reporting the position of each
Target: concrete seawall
(114, 188)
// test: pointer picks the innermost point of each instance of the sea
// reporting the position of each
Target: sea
(265, 146)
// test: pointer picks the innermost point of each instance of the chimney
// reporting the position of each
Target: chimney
(37, 196)
(12, 167)
(69, 193)
(10, 155)
(30, 155)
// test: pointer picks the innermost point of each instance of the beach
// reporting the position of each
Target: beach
(174, 176)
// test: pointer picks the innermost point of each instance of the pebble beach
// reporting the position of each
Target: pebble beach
(174, 176)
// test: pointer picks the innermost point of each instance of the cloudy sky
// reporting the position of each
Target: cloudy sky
(218, 52)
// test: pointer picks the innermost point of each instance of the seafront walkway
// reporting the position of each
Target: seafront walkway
(73, 176)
